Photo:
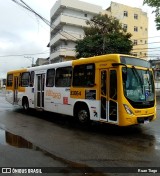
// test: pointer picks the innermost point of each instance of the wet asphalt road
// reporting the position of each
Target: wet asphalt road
(42, 139)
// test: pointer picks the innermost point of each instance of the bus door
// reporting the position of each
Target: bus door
(104, 94)
(108, 95)
(113, 97)
(40, 81)
(15, 91)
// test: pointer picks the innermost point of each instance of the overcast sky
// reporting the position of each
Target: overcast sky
(22, 33)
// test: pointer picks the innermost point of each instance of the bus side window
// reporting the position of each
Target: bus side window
(9, 80)
(113, 84)
(50, 77)
(32, 79)
(84, 75)
(25, 79)
(63, 77)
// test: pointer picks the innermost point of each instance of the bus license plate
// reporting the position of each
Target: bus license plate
(146, 121)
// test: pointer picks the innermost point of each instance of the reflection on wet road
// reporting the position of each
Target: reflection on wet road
(17, 141)
(2, 137)
(157, 146)
(8, 138)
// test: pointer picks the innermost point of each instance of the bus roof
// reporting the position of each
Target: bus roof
(115, 58)
(54, 65)
(17, 71)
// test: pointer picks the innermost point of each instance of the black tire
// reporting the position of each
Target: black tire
(83, 115)
(25, 104)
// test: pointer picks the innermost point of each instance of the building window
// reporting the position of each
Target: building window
(135, 54)
(135, 42)
(135, 29)
(64, 43)
(125, 26)
(125, 13)
(136, 16)
(141, 41)
(85, 15)
(145, 41)
(145, 29)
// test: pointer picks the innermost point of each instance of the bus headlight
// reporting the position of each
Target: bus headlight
(128, 110)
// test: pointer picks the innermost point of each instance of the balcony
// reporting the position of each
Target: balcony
(67, 19)
(66, 35)
(57, 38)
(63, 52)
(60, 5)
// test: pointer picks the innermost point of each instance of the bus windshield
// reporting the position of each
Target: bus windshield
(138, 85)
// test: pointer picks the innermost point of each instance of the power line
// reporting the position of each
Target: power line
(13, 55)
(27, 7)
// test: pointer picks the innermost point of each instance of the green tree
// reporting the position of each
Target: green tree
(103, 35)
(155, 4)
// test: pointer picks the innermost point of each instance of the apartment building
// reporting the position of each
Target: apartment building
(135, 21)
(68, 17)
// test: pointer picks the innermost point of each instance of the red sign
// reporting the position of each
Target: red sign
(65, 100)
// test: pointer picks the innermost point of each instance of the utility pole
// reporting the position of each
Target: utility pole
(31, 59)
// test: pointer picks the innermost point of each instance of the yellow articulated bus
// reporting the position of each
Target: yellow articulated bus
(113, 88)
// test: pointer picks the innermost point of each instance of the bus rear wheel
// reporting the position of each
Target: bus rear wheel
(25, 104)
(83, 116)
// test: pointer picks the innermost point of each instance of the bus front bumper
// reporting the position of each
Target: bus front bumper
(145, 119)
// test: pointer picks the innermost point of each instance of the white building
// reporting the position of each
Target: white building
(68, 17)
